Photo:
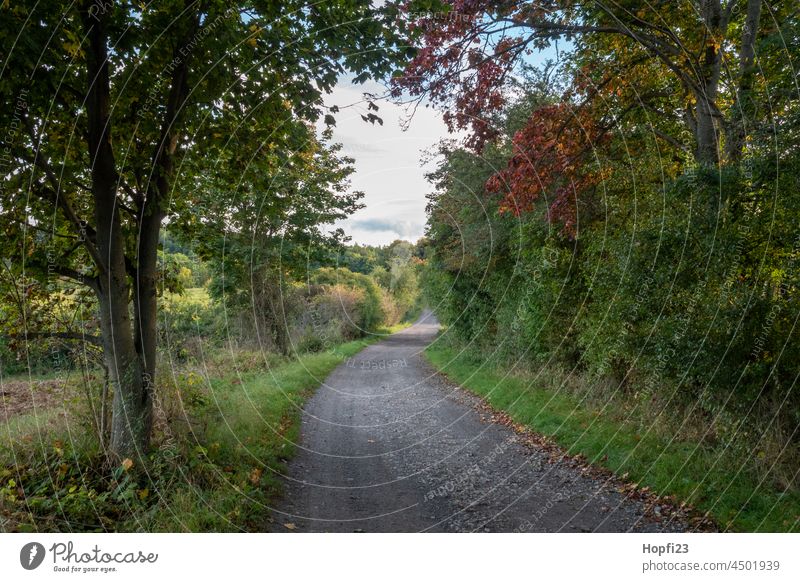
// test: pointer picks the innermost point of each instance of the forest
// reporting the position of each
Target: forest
(620, 228)
(612, 243)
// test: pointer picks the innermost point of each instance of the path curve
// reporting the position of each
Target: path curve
(388, 445)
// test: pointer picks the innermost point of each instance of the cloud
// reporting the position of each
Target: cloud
(402, 228)
(354, 147)
(387, 163)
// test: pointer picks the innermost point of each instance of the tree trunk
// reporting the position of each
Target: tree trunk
(131, 408)
(145, 307)
(278, 320)
(104, 409)
(743, 106)
(132, 404)
(707, 132)
(270, 311)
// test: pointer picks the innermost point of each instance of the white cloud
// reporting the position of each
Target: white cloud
(387, 163)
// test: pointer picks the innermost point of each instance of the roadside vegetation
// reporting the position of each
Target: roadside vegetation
(666, 454)
(226, 413)
(619, 232)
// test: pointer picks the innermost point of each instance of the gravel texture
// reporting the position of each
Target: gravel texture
(388, 445)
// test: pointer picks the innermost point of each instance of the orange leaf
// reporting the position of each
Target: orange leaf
(255, 475)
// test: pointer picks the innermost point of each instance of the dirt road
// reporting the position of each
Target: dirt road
(390, 446)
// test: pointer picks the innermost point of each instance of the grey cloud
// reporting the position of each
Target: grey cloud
(403, 228)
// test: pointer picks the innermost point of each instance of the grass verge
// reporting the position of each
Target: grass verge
(252, 425)
(216, 468)
(711, 479)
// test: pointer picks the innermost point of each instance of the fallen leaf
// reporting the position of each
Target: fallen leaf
(289, 525)
(255, 475)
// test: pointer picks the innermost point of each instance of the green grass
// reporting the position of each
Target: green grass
(29, 423)
(231, 436)
(708, 478)
(190, 296)
(252, 427)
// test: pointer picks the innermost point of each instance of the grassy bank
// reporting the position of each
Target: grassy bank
(712, 478)
(222, 444)
(253, 423)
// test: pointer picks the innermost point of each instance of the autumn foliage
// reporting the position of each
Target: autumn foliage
(456, 69)
(551, 161)
(460, 69)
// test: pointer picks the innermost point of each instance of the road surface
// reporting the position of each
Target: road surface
(388, 445)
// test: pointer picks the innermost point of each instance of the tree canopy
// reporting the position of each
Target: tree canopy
(129, 115)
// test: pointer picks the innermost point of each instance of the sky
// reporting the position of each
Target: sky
(387, 164)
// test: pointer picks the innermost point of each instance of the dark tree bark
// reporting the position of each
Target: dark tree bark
(129, 345)
(707, 131)
(743, 107)
(129, 434)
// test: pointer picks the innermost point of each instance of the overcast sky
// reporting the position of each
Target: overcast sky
(387, 159)
(387, 163)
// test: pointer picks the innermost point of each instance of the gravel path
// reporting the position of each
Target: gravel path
(390, 446)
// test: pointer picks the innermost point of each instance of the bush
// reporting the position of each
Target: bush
(684, 310)
(188, 319)
(370, 306)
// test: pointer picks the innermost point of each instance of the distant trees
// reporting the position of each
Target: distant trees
(398, 273)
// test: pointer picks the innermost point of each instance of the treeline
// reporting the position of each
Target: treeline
(349, 292)
(261, 309)
(627, 220)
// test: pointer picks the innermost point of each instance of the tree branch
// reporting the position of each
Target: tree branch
(84, 231)
(54, 195)
(669, 139)
(89, 281)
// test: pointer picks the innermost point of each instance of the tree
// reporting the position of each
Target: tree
(266, 230)
(117, 107)
(705, 48)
